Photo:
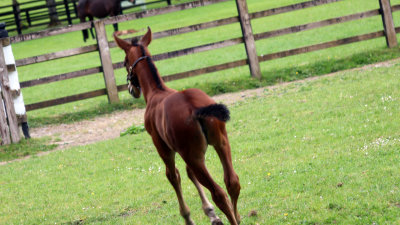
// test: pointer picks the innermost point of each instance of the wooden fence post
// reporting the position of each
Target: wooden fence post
(388, 25)
(75, 9)
(4, 129)
(7, 98)
(106, 63)
(248, 38)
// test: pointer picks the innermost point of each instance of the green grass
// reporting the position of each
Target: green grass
(25, 148)
(318, 152)
(305, 65)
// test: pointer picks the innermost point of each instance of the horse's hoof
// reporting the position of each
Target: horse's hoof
(217, 222)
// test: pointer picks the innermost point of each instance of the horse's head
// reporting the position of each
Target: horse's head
(134, 53)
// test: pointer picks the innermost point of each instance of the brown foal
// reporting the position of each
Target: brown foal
(183, 122)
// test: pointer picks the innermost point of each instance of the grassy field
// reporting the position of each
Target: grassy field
(291, 68)
(316, 152)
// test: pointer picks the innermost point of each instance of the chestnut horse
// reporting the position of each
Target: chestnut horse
(98, 9)
(183, 122)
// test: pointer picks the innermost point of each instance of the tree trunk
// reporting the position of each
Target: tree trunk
(17, 16)
(51, 5)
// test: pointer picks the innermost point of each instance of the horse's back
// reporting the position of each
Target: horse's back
(197, 98)
(176, 121)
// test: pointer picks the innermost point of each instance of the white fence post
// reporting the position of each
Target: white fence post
(6, 93)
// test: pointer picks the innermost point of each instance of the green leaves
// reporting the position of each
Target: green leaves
(133, 130)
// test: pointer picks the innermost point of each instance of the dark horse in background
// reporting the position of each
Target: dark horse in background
(98, 9)
(183, 122)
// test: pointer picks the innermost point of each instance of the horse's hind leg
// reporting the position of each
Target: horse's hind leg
(208, 208)
(195, 162)
(172, 173)
(218, 138)
(231, 179)
(115, 26)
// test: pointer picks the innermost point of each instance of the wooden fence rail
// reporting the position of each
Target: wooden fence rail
(20, 12)
(196, 27)
(107, 66)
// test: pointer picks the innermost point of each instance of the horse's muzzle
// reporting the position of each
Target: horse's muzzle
(134, 90)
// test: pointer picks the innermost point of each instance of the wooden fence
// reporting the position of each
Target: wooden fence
(35, 13)
(248, 38)
(9, 131)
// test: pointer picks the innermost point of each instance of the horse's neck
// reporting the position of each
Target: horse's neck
(150, 82)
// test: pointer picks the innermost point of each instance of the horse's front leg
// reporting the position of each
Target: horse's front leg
(117, 11)
(84, 32)
(91, 28)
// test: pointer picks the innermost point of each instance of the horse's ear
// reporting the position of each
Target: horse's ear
(124, 45)
(146, 39)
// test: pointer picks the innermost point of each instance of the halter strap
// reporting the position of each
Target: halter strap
(135, 63)
(151, 65)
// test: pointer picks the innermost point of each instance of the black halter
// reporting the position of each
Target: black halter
(131, 68)
(133, 80)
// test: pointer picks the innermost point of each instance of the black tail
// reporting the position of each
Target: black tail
(220, 111)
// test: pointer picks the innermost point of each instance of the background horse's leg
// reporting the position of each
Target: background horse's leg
(84, 32)
(195, 161)
(117, 11)
(91, 28)
(168, 156)
(208, 208)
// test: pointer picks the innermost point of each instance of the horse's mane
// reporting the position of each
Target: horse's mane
(135, 41)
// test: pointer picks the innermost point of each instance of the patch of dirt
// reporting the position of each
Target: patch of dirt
(110, 126)
(90, 131)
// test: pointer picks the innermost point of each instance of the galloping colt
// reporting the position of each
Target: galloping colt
(183, 122)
